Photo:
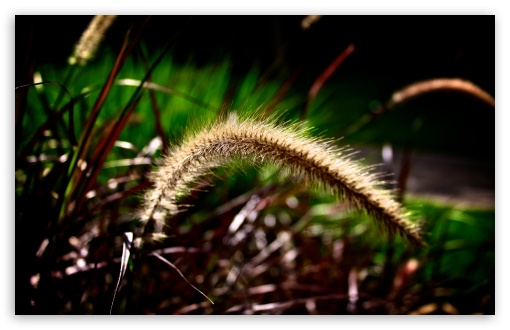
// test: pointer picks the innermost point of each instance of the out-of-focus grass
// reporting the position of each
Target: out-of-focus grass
(443, 123)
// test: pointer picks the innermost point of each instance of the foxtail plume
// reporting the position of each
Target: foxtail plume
(313, 159)
(440, 84)
(89, 41)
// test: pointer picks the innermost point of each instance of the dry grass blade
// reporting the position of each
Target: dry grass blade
(279, 307)
(315, 160)
(126, 252)
(103, 150)
(74, 173)
(158, 88)
(179, 272)
(325, 75)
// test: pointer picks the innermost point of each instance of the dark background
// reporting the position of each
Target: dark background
(390, 53)
(409, 47)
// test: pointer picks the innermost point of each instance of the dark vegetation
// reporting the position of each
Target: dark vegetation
(87, 138)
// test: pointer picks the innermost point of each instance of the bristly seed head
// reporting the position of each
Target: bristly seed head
(313, 159)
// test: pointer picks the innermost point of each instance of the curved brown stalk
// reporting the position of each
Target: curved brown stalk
(418, 89)
(313, 159)
(440, 84)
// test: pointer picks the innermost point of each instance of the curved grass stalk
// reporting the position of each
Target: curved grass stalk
(315, 160)
(418, 89)
(440, 84)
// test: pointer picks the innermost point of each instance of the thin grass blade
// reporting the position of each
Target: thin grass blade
(126, 253)
(179, 272)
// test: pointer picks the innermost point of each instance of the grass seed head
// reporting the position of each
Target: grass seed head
(260, 141)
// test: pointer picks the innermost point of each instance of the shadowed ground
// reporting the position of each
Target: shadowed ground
(448, 179)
